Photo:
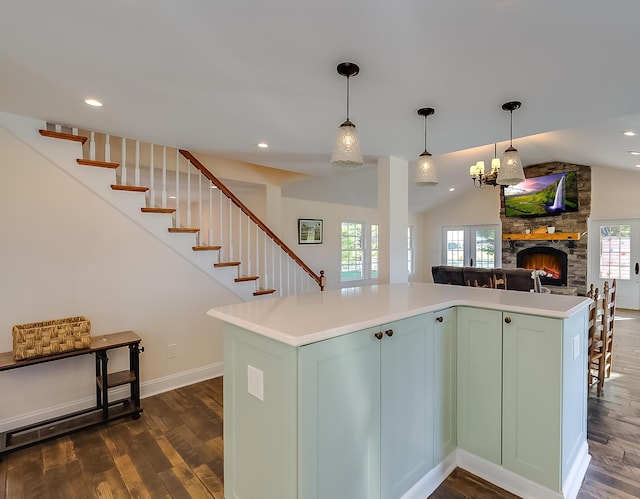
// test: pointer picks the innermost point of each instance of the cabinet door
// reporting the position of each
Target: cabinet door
(480, 382)
(407, 404)
(531, 421)
(444, 383)
(339, 417)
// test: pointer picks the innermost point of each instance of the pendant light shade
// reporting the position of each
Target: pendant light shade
(511, 171)
(426, 171)
(346, 153)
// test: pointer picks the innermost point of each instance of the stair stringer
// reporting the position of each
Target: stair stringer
(63, 154)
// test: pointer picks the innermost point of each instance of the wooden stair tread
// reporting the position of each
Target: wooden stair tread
(226, 264)
(206, 248)
(188, 230)
(158, 210)
(263, 291)
(65, 136)
(131, 188)
(247, 278)
(100, 164)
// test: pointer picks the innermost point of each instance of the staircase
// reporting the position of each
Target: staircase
(172, 195)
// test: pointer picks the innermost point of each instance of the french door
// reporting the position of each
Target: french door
(472, 246)
(614, 253)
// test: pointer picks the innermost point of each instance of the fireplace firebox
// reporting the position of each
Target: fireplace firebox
(550, 260)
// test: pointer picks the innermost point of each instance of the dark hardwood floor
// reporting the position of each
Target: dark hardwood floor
(175, 449)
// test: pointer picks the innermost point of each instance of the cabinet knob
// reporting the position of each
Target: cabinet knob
(389, 332)
(507, 320)
(378, 335)
(439, 318)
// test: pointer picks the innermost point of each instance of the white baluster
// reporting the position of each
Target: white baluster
(92, 147)
(123, 179)
(210, 212)
(265, 271)
(74, 131)
(152, 191)
(250, 270)
(189, 193)
(231, 248)
(220, 239)
(107, 149)
(242, 256)
(137, 170)
(164, 176)
(58, 127)
(177, 219)
(200, 209)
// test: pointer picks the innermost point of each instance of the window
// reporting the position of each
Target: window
(473, 246)
(352, 252)
(410, 253)
(359, 252)
(374, 251)
(615, 252)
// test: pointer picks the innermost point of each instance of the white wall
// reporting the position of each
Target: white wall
(614, 193)
(325, 256)
(66, 252)
(477, 207)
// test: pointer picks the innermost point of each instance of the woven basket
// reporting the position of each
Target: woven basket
(39, 339)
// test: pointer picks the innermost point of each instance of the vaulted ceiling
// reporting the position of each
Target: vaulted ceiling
(220, 76)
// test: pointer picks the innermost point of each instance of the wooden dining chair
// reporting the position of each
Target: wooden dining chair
(596, 352)
(608, 319)
(499, 280)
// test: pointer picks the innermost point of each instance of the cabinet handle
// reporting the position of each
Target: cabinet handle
(378, 335)
(507, 320)
(439, 318)
(389, 332)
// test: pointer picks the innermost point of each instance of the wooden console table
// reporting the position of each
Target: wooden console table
(104, 410)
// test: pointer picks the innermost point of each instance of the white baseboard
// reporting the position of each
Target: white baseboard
(147, 389)
(432, 480)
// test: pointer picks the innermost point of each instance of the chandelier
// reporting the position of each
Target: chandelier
(478, 175)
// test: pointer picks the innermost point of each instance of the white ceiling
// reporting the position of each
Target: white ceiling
(219, 76)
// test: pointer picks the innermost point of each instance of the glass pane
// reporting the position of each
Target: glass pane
(615, 251)
(485, 248)
(455, 247)
(351, 257)
(374, 252)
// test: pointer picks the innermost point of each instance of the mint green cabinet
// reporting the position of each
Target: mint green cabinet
(366, 412)
(480, 382)
(444, 383)
(532, 398)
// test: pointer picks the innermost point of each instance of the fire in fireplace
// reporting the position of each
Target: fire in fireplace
(551, 260)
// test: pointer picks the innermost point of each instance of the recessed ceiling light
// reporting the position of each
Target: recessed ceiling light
(93, 102)
(635, 153)
(172, 197)
(629, 133)
(263, 145)
(637, 166)
(451, 189)
(214, 186)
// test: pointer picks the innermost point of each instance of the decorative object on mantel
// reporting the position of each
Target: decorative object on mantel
(426, 171)
(477, 171)
(347, 153)
(511, 171)
(39, 339)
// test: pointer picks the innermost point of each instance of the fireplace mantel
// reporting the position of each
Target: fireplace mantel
(556, 236)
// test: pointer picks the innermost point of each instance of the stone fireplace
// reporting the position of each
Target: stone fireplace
(550, 260)
(566, 257)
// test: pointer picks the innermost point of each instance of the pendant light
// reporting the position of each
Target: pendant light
(346, 153)
(426, 170)
(511, 171)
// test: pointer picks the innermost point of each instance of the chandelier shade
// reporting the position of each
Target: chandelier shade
(425, 170)
(511, 171)
(346, 153)
(477, 171)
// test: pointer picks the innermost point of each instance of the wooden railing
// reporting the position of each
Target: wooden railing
(180, 184)
(319, 279)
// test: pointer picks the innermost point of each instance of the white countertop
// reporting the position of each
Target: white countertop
(302, 319)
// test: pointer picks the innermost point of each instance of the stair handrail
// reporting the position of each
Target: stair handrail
(319, 279)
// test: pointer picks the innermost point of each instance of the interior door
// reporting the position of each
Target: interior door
(615, 254)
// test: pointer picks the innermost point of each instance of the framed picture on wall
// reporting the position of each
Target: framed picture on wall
(309, 231)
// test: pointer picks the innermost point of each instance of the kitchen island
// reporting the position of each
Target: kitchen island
(380, 391)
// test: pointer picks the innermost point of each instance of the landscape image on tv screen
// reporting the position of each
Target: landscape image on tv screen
(542, 196)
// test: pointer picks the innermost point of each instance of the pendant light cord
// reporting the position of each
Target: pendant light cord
(347, 98)
(425, 134)
(511, 130)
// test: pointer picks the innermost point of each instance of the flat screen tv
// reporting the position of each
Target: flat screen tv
(542, 196)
